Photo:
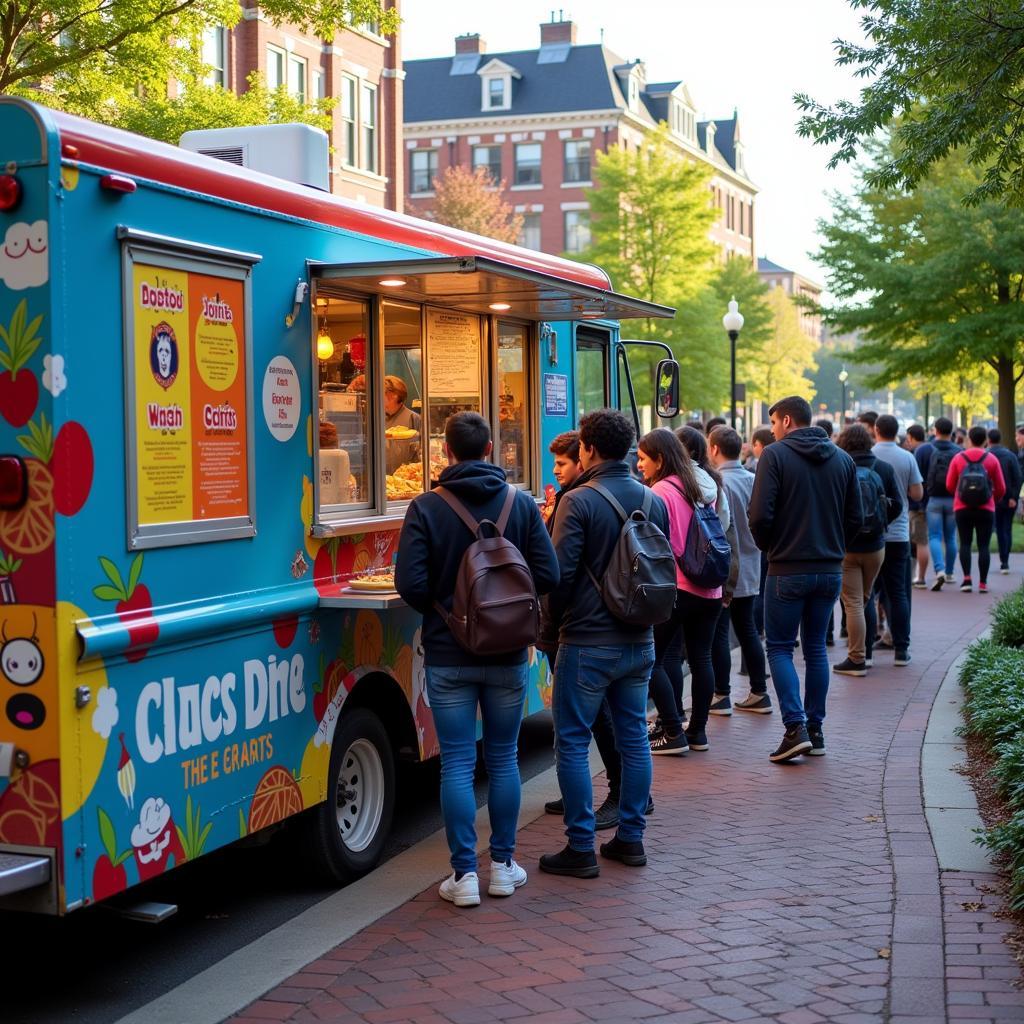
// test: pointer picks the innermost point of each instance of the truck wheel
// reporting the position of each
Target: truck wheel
(351, 826)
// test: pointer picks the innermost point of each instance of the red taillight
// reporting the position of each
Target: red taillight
(13, 482)
(10, 192)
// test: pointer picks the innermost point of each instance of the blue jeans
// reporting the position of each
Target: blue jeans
(942, 532)
(584, 677)
(455, 693)
(800, 603)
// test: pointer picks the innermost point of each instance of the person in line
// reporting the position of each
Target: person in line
(869, 418)
(430, 548)
(960, 437)
(715, 421)
(567, 470)
(934, 467)
(804, 511)
(1019, 438)
(666, 467)
(1007, 506)
(826, 424)
(599, 655)
(919, 549)
(894, 578)
(759, 440)
(974, 503)
(865, 552)
(724, 449)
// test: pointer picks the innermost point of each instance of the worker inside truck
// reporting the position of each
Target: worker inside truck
(401, 425)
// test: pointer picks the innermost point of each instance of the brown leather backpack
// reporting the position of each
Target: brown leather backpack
(495, 609)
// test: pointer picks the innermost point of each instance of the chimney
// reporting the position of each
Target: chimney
(560, 31)
(470, 43)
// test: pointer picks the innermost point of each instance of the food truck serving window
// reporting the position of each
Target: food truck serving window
(188, 389)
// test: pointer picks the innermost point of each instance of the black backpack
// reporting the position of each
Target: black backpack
(495, 609)
(974, 488)
(938, 467)
(874, 503)
(639, 585)
(707, 554)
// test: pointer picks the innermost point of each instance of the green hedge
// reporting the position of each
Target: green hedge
(993, 676)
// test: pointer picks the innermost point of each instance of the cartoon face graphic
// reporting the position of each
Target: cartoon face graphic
(24, 256)
(21, 661)
(155, 839)
(163, 355)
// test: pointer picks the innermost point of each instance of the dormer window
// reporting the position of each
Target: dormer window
(496, 85)
(634, 92)
(496, 98)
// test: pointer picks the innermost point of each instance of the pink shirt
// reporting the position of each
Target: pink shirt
(680, 513)
(992, 467)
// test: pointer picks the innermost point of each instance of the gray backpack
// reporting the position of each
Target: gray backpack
(639, 585)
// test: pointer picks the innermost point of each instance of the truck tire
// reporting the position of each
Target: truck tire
(349, 829)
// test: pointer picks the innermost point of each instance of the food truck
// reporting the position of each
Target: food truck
(219, 392)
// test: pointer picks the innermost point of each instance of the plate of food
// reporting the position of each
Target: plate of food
(401, 433)
(374, 582)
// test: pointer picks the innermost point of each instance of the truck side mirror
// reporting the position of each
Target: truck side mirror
(667, 376)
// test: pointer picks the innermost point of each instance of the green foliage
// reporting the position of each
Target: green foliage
(1007, 840)
(193, 837)
(1008, 621)
(467, 199)
(94, 57)
(953, 73)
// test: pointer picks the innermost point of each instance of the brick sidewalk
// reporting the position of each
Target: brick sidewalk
(797, 893)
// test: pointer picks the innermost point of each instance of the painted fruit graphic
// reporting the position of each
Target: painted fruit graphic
(313, 544)
(285, 630)
(277, 797)
(108, 874)
(313, 774)
(72, 468)
(30, 806)
(29, 529)
(332, 679)
(19, 389)
(156, 841)
(134, 605)
(369, 639)
(334, 560)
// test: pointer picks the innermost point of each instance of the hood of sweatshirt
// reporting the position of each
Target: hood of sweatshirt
(474, 482)
(708, 487)
(811, 443)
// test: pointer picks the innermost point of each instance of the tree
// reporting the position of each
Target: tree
(953, 76)
(468, 199)
(92, 56)
(932, 285)
(779, 366)
(969, 387)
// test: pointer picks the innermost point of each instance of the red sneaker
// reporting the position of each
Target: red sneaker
(982, 588)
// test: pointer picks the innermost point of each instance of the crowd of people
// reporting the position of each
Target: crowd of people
(656, 552)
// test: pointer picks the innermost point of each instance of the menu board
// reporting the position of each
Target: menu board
(191, 412)
(453, 354)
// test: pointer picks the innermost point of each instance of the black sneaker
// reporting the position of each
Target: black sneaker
(665, 744)
(938, 582)
(794, 743)
(881, 644)
(817, 738)
(631, 854)
(849, 667)
(697, 739)
(607, 815)
(966, 586)
(721, 705)
(902, 658)
(655, 729)
(650, 807)
(554, 807)
(571, 862)
(830, 639)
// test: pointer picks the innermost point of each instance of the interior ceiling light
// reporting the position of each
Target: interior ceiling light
(499, 307)
(392, 282)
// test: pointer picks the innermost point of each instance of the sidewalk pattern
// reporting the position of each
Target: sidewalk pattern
(796, 894)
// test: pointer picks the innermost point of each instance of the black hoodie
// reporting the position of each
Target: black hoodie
(434, 539)
(805, 508)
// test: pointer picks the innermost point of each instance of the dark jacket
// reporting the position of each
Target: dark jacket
(940, 444)
(586, 530)
(805, 508)
(434, 539)
(892, 496)
(1011, 473)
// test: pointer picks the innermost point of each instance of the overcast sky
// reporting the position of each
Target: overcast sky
(748, 54)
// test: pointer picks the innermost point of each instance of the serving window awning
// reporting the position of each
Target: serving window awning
(481, 285)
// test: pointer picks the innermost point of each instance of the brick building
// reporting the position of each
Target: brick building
(536, 118)
(798, 287)
(360, 68)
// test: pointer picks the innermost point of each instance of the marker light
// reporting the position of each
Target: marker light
(118, 183)
(499, 307)
(13, 482)
(10, 192)
(392, 282)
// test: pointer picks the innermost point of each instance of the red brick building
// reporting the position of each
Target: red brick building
(536, 118)
(361, 68)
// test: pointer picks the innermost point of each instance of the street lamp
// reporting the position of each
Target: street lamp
(843, 377)
(733, 324)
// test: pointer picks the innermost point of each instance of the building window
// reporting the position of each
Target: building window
(634, 92)
(368, 113)
(577, 230)
(495, 93)
(422, 170)
(297, 77)
(319, 85)
(348, 120)
(215, 48)
(489, 157)
(275, 67)
(528, 163)
(529, 233)
(577, 160)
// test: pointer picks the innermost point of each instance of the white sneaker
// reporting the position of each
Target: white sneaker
(950, 578)
(505, 878)
(463, 893)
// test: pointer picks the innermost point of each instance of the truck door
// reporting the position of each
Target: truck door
(593, 377)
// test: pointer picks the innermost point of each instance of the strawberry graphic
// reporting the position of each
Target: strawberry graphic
(72, 467)
(19, 390)
(108, 874)
(134, 606)
(335, 559)
(285, 630)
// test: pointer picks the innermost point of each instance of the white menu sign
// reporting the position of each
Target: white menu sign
(453, 354)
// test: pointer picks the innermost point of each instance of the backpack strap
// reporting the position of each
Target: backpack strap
(458, 508)
(613, 501)
(506, 511)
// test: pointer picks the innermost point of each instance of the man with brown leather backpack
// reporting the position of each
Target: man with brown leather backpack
(472, 557)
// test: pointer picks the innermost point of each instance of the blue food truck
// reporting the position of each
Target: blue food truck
(219, 392)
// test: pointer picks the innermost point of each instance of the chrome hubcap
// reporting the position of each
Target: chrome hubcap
(360, 795)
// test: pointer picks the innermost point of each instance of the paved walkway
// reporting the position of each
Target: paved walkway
(797, 894)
